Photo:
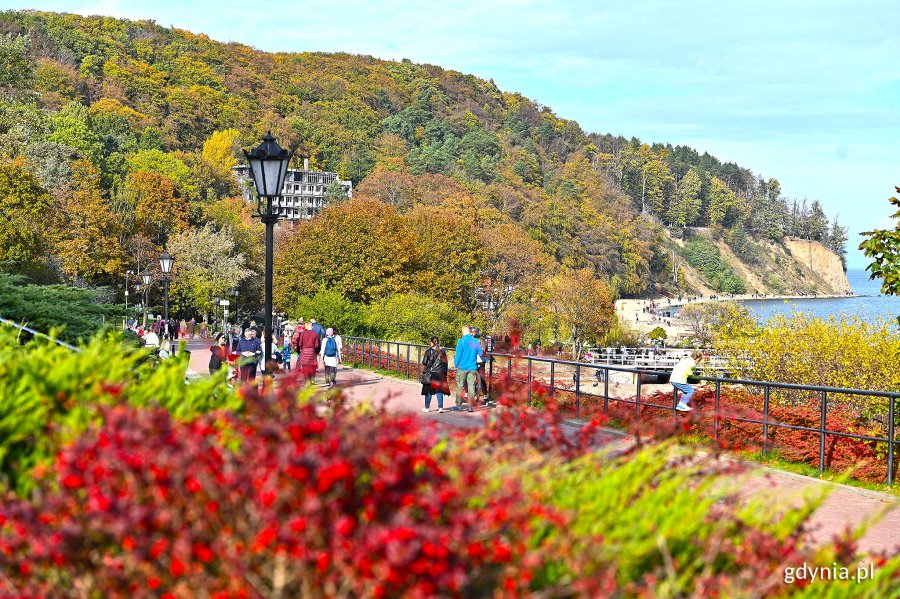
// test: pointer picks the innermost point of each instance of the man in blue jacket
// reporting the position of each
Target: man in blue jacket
(468, 349)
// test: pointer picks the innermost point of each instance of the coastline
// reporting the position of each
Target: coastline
(631, 311)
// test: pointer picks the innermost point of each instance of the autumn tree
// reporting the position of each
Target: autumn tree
(158, 210)
(452, 254)
(85, 231)
(24, 205)
(220, 150)
(580, 307)
(363, 249)
(207, 265)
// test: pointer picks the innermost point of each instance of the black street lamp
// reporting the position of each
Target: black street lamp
(127, 274)
(268, 167)
(145, 278)
(166, 261)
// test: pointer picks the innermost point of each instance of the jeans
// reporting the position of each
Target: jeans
(440, 398)
(686, 390)
(331, 374)
(463, 378)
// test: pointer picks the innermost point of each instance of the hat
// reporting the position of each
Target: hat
(329, 331)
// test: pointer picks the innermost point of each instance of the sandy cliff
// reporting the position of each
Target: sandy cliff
(794, 266)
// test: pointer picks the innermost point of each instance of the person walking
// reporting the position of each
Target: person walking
(680, 373)
(219, 353)
(192, 324)
(434, 375)
(466, 362)
(331, 357)
(308, 347)
(286, 353)
(249, 351)
(319, 329)
(481, 381)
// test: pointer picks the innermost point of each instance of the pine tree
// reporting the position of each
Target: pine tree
(685, 206)
(817, 227)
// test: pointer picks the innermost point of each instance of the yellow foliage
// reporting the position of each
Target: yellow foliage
(220, 149)
(839, 352)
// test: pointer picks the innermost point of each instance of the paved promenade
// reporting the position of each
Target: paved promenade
(845, 506)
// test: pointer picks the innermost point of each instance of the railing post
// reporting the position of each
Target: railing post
(577, 390)
(716, 418)
(419, 362)
(397, 363)
(552, 377)
(606, 391)
(490, 389)
(528, 359)
(637, 395)
(407, 361)
(765, 447)
(890, 475)
(824, 411)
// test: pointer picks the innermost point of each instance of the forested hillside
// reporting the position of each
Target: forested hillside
(117, 135)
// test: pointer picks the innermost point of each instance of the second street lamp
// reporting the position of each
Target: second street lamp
(145, 279)
(268, 167)
(166, 261)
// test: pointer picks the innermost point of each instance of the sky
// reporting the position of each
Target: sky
(804, 91)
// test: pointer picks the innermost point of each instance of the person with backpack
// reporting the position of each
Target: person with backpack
(434, 375)
(331, 357)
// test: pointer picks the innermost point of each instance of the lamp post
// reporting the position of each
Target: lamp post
(145, 278)
(125, 320)
(166, 261)
(268, 167)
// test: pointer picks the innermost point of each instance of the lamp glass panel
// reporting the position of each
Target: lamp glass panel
(256, 165)
(273, 177)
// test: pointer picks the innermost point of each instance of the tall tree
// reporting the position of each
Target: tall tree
(85, 231)
(158, 211)
(685, 206)
(220, 150)
(24, 205)
(720, 198)
(817, 227)
(580, 306)
(207, 264)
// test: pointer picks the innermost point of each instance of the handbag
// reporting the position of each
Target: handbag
(426, 378)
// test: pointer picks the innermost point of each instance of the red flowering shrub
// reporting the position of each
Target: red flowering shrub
(866, 458)
(280, 500)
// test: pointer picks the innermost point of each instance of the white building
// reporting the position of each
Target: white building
(303, 194)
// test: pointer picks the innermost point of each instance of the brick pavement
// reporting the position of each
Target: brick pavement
(845, 506)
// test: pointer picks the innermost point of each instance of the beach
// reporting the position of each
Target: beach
(632, 311)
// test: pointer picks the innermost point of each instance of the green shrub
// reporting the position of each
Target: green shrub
(705, 257)
(49, 392)
(414, 317)
(74, 313)
(331, 309)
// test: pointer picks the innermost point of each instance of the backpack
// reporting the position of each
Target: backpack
(330, 347)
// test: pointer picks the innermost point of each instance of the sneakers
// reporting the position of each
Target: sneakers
(683, 407)
(440, 410)
(426, 410)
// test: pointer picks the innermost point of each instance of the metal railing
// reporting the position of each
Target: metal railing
(375, 353)
(28, 329)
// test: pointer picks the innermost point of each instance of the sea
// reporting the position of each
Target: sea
(867, 302)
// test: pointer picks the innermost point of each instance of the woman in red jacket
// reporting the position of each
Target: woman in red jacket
(308, 346)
